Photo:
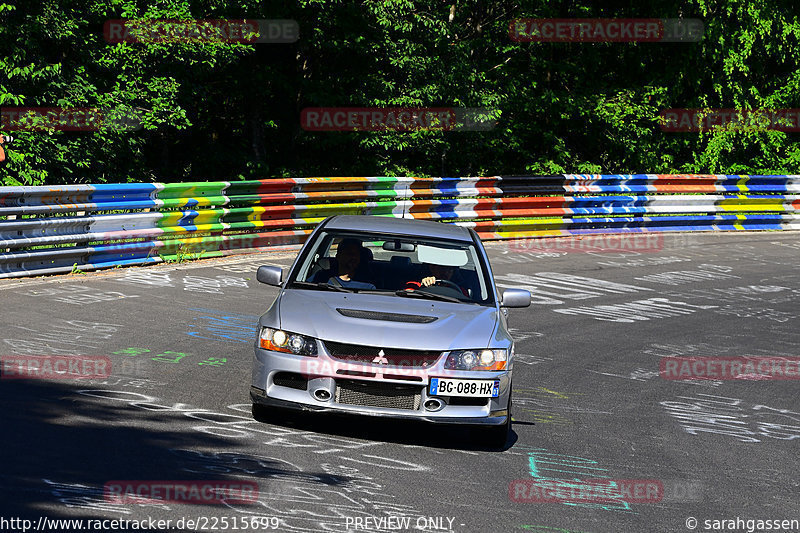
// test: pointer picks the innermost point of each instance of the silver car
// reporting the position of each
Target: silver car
(389, 317)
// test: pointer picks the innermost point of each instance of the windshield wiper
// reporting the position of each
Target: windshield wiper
(429, 295)
(328, 286)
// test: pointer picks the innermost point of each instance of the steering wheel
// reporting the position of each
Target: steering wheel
(448, 283)
(412, 285)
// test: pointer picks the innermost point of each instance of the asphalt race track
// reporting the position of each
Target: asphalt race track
(589, 401)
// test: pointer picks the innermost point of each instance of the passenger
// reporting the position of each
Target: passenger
(348, 261)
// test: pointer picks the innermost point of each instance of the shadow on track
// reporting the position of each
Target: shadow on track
(409, 432)
(60, 448)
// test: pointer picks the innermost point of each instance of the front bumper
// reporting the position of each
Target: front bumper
(323, 373)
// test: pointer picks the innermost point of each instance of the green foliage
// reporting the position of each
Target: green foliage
(183, 253)
(216, 111)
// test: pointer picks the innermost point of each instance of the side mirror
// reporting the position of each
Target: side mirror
(515, 298)
(271, 275)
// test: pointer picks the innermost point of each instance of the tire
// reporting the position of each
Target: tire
(497, 436)
(261, 412)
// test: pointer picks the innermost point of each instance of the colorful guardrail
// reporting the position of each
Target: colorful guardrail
(46, 230)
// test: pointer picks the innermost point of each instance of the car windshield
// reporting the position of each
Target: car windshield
(399, 266)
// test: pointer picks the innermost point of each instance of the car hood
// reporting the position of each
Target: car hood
(456, 326)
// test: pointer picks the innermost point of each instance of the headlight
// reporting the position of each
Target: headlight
(477, 360)
(278, 340)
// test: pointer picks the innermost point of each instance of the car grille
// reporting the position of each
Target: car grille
(392, 356)
(376, 394)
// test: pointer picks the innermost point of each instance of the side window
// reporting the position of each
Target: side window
(313, 262)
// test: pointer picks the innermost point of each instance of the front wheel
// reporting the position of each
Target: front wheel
(497, 436)
(261, 412)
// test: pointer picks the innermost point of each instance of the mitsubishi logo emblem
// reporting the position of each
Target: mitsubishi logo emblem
(381, 359)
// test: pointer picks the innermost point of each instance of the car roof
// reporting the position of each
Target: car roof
(399, 226)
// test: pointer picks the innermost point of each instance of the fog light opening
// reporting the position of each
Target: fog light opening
(322, 395)
(433, 404)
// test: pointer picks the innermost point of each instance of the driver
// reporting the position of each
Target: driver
(437, 273)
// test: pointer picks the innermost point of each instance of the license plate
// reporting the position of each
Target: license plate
(472, 388)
